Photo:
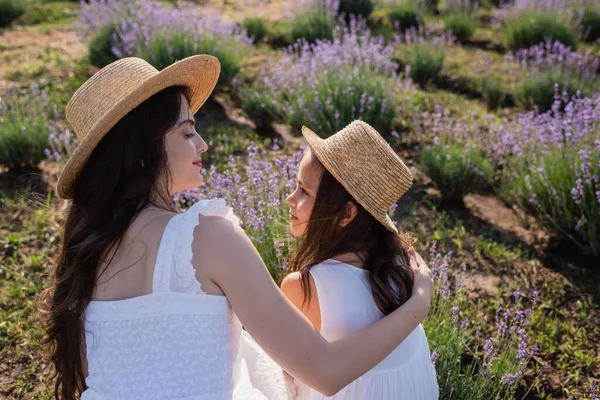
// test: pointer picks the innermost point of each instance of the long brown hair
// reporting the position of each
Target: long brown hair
(384, 254)
(114, 186)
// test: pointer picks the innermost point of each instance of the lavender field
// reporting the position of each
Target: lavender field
(493, 105)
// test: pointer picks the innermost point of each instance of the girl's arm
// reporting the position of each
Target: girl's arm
(226, 256)
(291, 286)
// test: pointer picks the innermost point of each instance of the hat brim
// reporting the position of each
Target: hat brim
(198, 73)
(319, 147)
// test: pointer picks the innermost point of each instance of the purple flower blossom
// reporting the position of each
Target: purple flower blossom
(517, 295)
(434, 356)
(455, 310)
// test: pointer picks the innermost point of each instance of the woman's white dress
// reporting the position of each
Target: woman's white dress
(176, 342)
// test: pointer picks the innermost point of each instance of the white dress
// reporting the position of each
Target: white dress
(176, 342)
(347, 306)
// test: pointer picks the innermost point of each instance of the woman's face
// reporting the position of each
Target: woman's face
(302, 200)
(184, 147)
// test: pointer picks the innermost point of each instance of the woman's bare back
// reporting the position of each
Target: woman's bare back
(128, 272)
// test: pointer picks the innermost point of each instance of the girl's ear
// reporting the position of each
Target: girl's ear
(350, 214)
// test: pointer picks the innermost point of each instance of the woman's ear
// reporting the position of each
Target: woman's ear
(349, 214)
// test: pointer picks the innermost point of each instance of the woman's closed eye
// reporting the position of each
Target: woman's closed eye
(190, 135)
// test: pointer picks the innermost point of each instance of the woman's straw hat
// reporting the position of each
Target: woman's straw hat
(365, 164)
(117, 89)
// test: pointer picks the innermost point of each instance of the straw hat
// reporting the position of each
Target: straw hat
(365, 164)
(117, 89)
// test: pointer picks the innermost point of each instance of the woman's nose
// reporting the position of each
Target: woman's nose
(201, 146)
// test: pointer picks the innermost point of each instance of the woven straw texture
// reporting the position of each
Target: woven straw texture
(118, 88)
(365, 164)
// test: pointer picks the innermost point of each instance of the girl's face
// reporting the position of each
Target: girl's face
(302, 200)
(184, 147)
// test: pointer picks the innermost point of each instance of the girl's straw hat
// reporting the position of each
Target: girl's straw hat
(117, 89)
(365, 164)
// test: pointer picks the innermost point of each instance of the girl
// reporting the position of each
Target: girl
(145, 302)
(352, 267)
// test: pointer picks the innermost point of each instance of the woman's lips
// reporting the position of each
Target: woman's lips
(198, 164)
(293, 218)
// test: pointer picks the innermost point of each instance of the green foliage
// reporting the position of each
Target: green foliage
(39, 13)
(591, 24)
(164, 50)
(279, 33)
(462, 26)
(100, 47)
(405, 16)
(425, 64)
(493, 91)
(226, 140)
(312, 26)
(532, 28)
(255, 28)
(547, 191)
(10, 10)
(24, 128)
(539, 89)
(456, 169)
(361, 8)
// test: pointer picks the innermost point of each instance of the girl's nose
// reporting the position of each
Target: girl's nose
(289, 200)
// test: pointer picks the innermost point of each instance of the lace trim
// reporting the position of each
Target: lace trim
(184, 272)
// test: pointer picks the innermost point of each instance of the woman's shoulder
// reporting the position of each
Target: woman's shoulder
(217, 235)
(216, 207)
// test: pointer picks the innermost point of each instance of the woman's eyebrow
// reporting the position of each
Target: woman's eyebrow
(191, 121)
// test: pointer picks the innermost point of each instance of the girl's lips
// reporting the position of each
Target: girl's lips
(198, 164)
(292, 217)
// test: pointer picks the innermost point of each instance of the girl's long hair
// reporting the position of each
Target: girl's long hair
(384, 254)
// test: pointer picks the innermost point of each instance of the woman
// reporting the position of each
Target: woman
(146, 303)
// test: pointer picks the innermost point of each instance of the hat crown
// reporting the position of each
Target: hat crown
(366, 165)
(106, 88)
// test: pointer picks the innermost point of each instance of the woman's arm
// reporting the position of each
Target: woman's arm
(227, 257)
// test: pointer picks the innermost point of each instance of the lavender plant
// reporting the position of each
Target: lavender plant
(551, 64)
(532, 27)
(456, 169)
(256, 190)
(328, 84)
(161, 33)
(570, 11)
(62, 142)
(549, 162)
(24, 127)
(493, 371)
(422, 51)
(561, 186)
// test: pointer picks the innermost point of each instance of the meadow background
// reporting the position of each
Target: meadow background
(494, 106)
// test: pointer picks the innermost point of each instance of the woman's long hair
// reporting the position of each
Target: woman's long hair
(117, 182)
(384, 254)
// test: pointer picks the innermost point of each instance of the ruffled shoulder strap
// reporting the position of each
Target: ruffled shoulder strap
(183, 275)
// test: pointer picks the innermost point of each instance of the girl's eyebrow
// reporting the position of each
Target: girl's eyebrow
(304, 184)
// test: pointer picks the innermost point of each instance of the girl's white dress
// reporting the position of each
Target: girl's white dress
(347, 306)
